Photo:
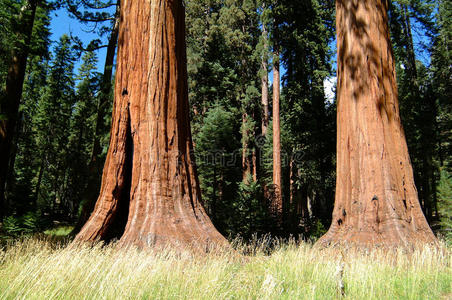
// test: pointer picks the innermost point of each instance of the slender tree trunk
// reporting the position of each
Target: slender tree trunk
(264, 101)
(9, 105)
(436, 171)
(435, 197)
(20, 207)
(106, 87)
(411, 59)
(292, 194)
(302, 203)
(254, 163)
(253, 159)
(277, 205)
(413, 106)
(376, 199)
(248, 168)
(264, 82)
(96, 163)
(427, 131)
(220, 193)
(426, 183)
(38, 184)
(246, 163)
(213, 205)
(150, 194)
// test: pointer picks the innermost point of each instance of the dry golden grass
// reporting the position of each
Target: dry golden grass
(35, 269)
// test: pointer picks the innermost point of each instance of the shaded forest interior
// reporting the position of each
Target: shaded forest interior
(55, 128)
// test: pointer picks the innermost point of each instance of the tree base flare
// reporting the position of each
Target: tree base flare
(375, 240)
(150, 195)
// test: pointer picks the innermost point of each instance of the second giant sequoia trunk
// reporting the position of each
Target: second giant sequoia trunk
(376, 199)
(150, 194)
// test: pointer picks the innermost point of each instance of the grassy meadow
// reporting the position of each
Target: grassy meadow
(34, 268)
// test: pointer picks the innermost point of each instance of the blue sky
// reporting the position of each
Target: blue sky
(63, 24)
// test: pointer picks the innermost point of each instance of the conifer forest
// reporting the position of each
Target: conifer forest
(213, 125)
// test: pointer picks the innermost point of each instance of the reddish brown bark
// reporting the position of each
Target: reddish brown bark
(292, 193)
(249, 156)
(264, 83)
(277, 204)
(254, 163)
(376, 199)
(150, 193)
(246, 162)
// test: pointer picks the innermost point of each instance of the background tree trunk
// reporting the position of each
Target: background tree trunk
(376, 198)
(9, 104)
(277, 205)
(264, 82)
(426, 109)
(246, 161)
(150, 193)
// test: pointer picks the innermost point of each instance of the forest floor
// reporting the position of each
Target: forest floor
(36, 268)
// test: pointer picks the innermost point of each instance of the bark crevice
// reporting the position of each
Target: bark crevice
(118, 224)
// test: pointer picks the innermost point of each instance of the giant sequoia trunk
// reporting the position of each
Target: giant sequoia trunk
(9, 104)
(150, 194)
(376, 199)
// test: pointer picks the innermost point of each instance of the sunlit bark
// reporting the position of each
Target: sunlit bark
(150, 194)
(376, 199)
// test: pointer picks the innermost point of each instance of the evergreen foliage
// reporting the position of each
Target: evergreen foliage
(445, 204)
(228, 43)
(54, 112)
(442, 80)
